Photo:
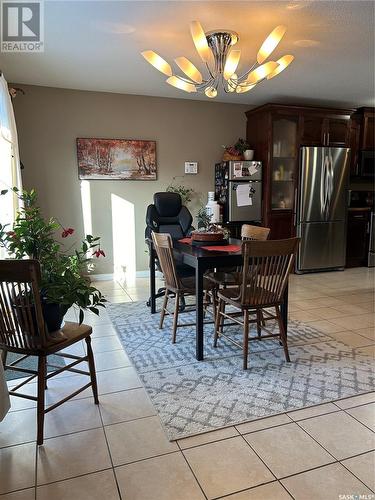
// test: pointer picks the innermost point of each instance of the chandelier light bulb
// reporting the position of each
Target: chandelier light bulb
(189, 69)
(241, 89)
(177, 82)
(232, 83)
(231, 63)
(283, 63)
(270, 43)
(261, 72)
(200, 41)
(157, 61)
(210, 92)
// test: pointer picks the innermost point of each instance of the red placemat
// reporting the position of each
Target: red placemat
(223, 248)
(185, 240)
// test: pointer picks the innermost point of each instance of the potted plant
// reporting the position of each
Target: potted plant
(186, 193)
(207, 231)
(236, 152)
(64, 282)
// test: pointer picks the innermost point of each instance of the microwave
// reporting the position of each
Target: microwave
(366, 165)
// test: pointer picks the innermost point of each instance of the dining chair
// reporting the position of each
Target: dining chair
(231, 276)
(23, 331)
(257, 233)
(175, 285)
(265, 272)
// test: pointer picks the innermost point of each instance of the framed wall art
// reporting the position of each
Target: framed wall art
(116, 159)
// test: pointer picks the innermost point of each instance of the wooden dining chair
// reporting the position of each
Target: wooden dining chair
(256, 233)
(23, 331)
(265, 272)
(175, 285)
(231, 276)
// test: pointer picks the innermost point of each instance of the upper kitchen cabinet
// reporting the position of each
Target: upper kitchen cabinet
(368, 138)
(364, 119)
(277, 132)
(362, 141)
(313, 130)
(324, 127)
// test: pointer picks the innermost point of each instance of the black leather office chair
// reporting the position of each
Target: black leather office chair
(168, 215)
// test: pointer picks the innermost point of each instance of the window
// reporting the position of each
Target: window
(10, 173)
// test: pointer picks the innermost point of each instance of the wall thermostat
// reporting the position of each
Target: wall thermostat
(191, 167)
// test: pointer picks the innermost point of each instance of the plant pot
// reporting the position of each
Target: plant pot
(248, 154)
(53, 315)
(207, 236)
(229, 157)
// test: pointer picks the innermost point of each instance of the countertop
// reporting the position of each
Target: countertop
(359, 209)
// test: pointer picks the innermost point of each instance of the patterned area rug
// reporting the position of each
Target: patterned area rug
(31, 363)
(193, 397)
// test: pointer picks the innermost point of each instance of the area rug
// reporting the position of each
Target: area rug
(31, 363)
(192, 397)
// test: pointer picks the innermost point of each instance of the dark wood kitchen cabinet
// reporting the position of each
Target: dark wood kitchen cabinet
(362, 136)
(357, 237)
(277, 132)
(325, 127)
(273, 132)
(365, 117)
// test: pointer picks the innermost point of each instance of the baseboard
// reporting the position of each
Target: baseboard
(146, 274)
(111, 276)
(101, 277)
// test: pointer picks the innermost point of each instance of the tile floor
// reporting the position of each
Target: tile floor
(119, 451)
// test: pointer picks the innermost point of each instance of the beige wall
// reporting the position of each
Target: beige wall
(49, 120)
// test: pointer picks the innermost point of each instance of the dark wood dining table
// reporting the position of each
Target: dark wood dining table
(202, 260)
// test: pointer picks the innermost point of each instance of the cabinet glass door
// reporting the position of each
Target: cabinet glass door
(284, 162)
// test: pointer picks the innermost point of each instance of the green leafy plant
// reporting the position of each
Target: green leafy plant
(204, 219)
(205, 224)
(186, 193)
(63, 279)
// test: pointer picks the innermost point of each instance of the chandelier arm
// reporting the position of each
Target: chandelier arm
(204, 82)
(207, 83)
(209, 70)
(246, 74)
(231, 83)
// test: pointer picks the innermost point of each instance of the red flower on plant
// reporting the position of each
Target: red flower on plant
(66, 232)
(11, 234)
(98, 253)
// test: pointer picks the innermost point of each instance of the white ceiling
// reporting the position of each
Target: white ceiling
(96, 45)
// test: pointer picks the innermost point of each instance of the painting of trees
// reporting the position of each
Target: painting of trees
(116, 159)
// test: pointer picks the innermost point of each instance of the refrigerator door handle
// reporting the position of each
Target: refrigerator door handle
(295, 207)
(330, 182)
(323, 187)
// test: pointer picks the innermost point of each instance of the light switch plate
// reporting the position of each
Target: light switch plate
(191, 167)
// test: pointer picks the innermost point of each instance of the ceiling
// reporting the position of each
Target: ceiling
(96, 45)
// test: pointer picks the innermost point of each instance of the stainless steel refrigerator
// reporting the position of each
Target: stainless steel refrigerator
(322, 208)
(238, 189)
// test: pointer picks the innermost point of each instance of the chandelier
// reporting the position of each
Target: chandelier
(221, 62)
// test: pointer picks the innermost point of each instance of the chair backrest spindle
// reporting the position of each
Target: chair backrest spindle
(164, 249)
(21, 318)
(266, 267)
(258, 233)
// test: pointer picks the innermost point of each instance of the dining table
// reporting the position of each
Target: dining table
(203, 260)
